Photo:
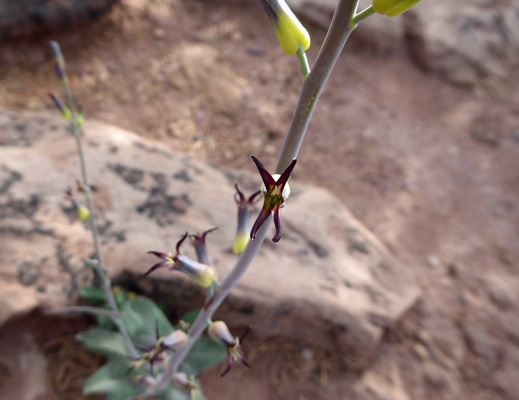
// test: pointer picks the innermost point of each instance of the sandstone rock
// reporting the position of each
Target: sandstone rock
(503, 293)
(466, 42)
(329, 281)
(463, 41)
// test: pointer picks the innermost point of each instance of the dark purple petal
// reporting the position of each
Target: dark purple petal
(244, 335)
(262, 217)
(251, 200)
(158, 254)
(202, 237)
(230, 363)
(158, 265)
(238, 196)
(279, 226)
(286, 174)
(242, 360)
(268, 180)
(180, 242)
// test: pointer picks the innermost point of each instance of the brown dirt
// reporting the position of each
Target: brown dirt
(430, 168)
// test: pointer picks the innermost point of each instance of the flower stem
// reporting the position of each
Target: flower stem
(363, 15)
(338, 33)
(303, 61)
(98, 266)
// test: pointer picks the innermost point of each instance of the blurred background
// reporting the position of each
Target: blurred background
(417, 133)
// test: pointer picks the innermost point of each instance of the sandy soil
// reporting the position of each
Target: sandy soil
(430, 168)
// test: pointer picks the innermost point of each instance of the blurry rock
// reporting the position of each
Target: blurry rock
(466, 42)
(503, 293)
(197, 70)
(506, 377)
(32, 17)
(329, 281)
(486, 348)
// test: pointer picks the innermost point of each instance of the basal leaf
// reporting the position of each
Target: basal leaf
(142, 318)
(205, 354)
(114, 380)
(103, 341)
(92, 294)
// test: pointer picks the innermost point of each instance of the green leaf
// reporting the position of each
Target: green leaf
(172, 393)
(93, 294)
(106, 342)
(205, 354)
(190, 316)
(142, 317)
(112, 379)
(197, 395)
(121, 296)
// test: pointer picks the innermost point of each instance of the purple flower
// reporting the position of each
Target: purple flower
(219, 332)
(245, 209)
(275, 191)
(202, 274)
(198, 242)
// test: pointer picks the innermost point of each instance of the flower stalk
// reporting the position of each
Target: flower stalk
(75, 119)
(338, 33)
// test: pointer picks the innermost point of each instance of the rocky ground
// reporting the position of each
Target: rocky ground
(417, 133)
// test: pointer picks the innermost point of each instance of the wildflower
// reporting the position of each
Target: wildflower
(82, 211)
(290, 32)
(219, 332)
(393, 8)
(59, 61)
(245, 209)
(156, 352)
(202, 274)
(198, 242)
(63, 109)
(275, 191)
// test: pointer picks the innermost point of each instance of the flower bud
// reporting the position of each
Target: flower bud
(219, 332)
(393, 8)
(83, 213)
(290, 32)
(198, 242)
(245, 210)
(202, 274)
(147, 381)
(181, 381)
(175, 340)
(63, 109)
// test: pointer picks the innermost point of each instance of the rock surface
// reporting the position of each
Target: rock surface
(468, 42)
(329, 281)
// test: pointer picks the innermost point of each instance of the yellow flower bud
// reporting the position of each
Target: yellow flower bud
(240, 242)
(393, 8)
(290, 32)
(84, 213)
(206, 277)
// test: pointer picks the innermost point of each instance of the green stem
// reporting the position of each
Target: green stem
(363, 15)
(303, 61)
(99, 266)
(338, 33)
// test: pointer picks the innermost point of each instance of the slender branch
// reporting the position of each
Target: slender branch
(338, 33)
(99, 266)
(303, 61)
(363, 15)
